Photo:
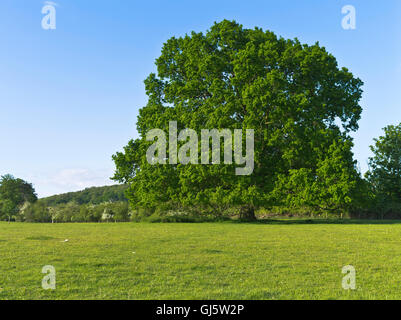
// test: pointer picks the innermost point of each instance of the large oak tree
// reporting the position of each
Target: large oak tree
(301, 105)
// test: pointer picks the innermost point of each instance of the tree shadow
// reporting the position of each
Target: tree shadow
(320, 221)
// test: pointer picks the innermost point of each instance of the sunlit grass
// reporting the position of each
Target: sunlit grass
(200, 261)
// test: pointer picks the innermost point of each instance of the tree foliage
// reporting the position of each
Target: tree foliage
(384, 175)
(301, 105)
(93, 195)
(13, 194)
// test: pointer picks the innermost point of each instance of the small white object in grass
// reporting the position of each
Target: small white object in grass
(66, 240)
(133, 252)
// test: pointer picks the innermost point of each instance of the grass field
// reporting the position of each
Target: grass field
(281, 260)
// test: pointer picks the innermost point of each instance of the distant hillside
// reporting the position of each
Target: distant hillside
(93, 195)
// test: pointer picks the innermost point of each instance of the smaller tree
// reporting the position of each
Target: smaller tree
(84, 214)
(384, 173)
(121, 211)
(107, 214)
(36, 212)
(7, 209)
(13, 194)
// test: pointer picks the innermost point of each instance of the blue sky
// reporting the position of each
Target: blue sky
(69, 97)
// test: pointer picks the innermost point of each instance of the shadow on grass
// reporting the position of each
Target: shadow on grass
(40, 238)
(273, 221)
(318, 221)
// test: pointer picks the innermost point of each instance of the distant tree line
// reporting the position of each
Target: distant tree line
(40, 211)
(93, 195)
(18, 202)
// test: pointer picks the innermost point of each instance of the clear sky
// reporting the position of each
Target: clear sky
(69, 97)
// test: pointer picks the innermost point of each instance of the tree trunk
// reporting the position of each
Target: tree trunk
(247, 213)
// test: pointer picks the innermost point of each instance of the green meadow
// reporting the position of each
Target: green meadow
(294, 259)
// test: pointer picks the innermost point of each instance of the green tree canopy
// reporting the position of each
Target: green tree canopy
(301, 105)
(13, 194)
(384, 172)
